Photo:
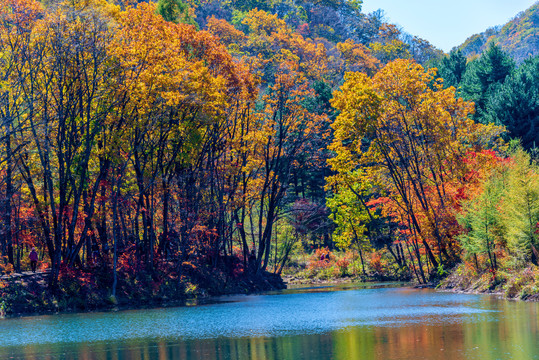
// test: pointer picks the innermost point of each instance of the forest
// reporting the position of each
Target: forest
(152, 150)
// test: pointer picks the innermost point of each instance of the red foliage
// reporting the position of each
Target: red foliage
(304, 29)
(376, 263)
(320, 259)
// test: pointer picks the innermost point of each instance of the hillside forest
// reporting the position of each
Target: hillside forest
(164, 148)
(518, 37)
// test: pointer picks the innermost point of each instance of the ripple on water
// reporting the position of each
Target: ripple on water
(292, 313)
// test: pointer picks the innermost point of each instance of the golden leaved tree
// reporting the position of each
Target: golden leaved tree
(410, 135)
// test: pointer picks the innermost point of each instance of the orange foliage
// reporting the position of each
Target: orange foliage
(357, 57)
(227, 33)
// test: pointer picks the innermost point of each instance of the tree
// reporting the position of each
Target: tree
(520, 206)
(484, 76)
(350, 212)
(357, 57)
(175, 11)
(279, 139)
(388, 45)
(17, 22)
(452, 68)
(482, 222)
(390, 50)
(421, 50)
(411, 136)
(515, 104)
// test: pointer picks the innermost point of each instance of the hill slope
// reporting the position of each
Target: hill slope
(519, 37)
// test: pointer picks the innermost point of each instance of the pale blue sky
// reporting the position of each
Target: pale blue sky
(447, 23)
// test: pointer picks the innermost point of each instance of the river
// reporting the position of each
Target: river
(343, 322)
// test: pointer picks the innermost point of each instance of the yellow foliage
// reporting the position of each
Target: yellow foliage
(412, 136)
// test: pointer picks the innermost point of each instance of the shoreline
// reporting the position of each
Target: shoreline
(264, 285)
(33, 297)
(498, 293)
(515, 285)
(198, 300)
(448, 284)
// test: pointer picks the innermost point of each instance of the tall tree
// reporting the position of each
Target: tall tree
(484, 76)
(17, 22)
(482, 222)
(521, 209)
(515, 104)
(452, 68)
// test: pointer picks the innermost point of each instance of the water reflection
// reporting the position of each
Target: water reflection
(356, 324)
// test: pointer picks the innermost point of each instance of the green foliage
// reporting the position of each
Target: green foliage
(515, 104)
(237, 18)
(501, 220)
(349, 211)
(440, 271)
(483, 77)
(175, 11)
(320, 102)
(452, 68)
(481, 220)
(246, 5)
(521, 208)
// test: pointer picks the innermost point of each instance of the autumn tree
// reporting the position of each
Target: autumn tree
(357, 57)
(411, 136)
(180, 134)
(482, 222)
(17, 22)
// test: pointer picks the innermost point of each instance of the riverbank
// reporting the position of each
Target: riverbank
(292, 280)
(325, 267)
(520, 284)
(89, 290)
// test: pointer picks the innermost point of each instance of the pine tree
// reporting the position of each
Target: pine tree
(515, 104)
(451, 68)
(483, 76)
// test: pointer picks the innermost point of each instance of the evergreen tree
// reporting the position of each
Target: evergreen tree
(483, 77)
(515, 104)
(451, 68)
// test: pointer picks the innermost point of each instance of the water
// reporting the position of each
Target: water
(351, 322)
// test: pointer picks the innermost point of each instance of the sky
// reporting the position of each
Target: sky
(447, 23)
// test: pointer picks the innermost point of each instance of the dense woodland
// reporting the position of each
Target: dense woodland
(172, 141)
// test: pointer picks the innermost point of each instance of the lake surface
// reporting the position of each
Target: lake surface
(347, 322)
